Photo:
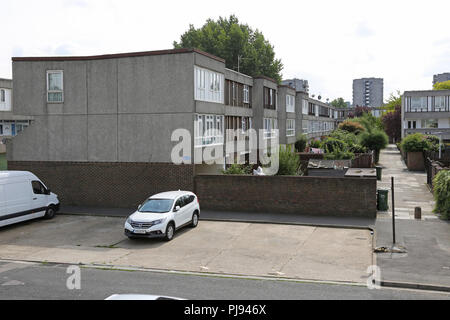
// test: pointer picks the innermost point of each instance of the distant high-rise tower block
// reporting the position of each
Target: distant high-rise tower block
(368, 92)
(441, 77)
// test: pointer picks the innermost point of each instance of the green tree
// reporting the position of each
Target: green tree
(393, 101)
(233, 41)
(445, 85)
(338, 103)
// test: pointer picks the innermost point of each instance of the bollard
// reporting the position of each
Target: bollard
(418, 213)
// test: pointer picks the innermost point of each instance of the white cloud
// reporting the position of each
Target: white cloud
(328, 42)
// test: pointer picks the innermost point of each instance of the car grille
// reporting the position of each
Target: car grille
(141, 225)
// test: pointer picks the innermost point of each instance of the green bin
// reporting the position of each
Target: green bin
(382, 199)
(379, 169)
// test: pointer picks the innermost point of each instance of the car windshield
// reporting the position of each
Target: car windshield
(156, 205)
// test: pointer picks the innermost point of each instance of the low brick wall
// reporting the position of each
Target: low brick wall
(317, 196)
(108, 184)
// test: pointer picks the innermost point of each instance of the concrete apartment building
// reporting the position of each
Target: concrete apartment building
(10, 124)
(103, 124)
(368, 92)
(441, 77)
(297, 84)
(427, 112)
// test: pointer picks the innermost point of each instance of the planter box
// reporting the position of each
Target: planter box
(415, 161)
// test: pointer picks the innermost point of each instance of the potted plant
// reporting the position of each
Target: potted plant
(413, 146)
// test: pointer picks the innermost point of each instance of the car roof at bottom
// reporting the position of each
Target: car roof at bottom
(170, 194)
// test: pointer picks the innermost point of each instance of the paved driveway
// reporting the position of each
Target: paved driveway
(291, 251)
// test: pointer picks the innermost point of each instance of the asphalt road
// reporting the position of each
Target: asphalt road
(48, 282)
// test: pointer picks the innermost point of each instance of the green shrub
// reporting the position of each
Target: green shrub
(369, 122)
(357, 148)
(339, 155)
(374, 140)
(416, 142)
(441, 189)
(301, 142)
(315, 144)
(332, 144)
(433, 143)
(351, 126)
(348, 137)
(289, 163)
(238, 169)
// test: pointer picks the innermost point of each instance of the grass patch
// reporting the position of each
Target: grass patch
(3, 163)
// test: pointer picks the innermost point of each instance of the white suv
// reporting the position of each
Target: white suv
(162, 214)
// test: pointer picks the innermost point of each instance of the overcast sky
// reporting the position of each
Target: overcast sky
(330, 43)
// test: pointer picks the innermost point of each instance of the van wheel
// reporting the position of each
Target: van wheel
(50, 213)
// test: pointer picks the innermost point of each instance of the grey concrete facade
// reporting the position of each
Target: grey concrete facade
(441, 77)
(427, 112)
(368, 92)
(284, 115)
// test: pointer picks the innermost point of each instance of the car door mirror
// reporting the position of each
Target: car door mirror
(177, 208)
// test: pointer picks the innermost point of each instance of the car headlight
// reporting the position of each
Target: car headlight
(129, 221)
(158, 221)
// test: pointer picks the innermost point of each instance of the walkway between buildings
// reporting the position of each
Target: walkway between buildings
(427, 241)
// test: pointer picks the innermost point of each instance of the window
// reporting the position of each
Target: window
(290, 103)
(246, 94)
(2, 95)
(439, 103)
(215, 81)
(208, 129)
(270, 125)
(38, 188)
(305, 107)
(429, 123)
(55, 86)
(418, 104)
(290, 127)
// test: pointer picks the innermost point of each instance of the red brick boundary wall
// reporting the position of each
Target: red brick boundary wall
(317, 196)
(102, 184)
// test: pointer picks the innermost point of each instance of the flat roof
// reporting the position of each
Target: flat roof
(118, 55)
(427, 91)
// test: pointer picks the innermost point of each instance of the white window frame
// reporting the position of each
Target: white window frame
(215, 82)
(441, 107)
(290, 103)
(246, 98)
(290, 127)
(305, 107)
(208, 130)
(55, 91)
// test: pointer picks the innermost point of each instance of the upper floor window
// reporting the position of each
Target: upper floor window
(418, 104)
(209, 85)
(246, 94)
(439, 103)
(2, 95)
(269, 98)
(290, 103)
(305, 107)
(270, 127)
(55, 87)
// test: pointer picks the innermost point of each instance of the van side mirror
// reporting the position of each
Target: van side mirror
(177, 208)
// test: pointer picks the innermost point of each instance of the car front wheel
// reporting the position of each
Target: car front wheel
(170, 231)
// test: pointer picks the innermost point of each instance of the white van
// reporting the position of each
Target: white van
(23, 197)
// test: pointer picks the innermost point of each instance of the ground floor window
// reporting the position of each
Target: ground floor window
(208, 129)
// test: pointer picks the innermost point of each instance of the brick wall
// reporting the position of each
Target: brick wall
(319, 196)
(108, 184)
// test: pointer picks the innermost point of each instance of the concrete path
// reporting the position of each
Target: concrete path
(286, 251)
(410, 187)
(427, 241)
